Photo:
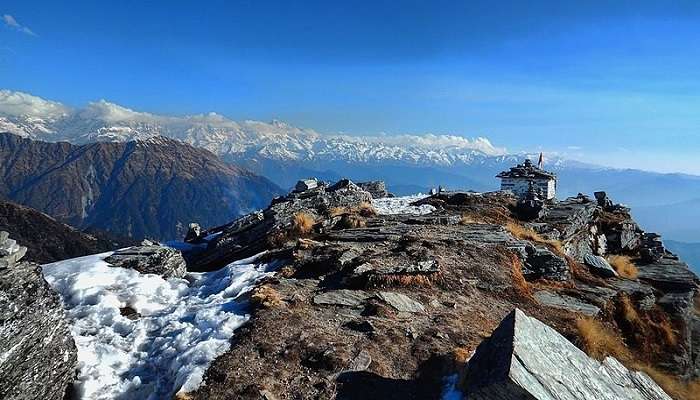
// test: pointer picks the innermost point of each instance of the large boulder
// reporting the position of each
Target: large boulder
(38, 357)
(526, 359)
(150, 258)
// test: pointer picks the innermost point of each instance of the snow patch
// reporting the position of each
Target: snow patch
(402, 205)
(183, 324)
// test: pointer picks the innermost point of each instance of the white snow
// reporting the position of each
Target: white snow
(402, 205)
(184, 324)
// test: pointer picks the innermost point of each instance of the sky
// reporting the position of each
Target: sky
(615, 83)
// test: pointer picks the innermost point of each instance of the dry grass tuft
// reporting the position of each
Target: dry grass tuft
(624, 266)
(266, 297)
(598, 341)
(628, 311)
(402, 280)
(519, 281)
(364, 209)
(303, 223)
(350, 221)
(470, 219)
(524, 233)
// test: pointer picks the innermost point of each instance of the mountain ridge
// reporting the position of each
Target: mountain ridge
(144, 188)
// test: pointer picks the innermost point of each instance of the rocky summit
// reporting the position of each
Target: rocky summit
(331, 292)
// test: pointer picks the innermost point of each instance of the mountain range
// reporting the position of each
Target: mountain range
(408, 163)
(144, 188)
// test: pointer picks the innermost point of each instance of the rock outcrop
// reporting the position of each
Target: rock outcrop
(526, 359)
(376, 188)
(150, 258)
(320, 207)
(37, 354)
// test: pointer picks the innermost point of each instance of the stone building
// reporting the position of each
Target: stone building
(520, 178)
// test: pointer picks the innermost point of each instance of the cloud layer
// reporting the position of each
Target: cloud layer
(12, 23)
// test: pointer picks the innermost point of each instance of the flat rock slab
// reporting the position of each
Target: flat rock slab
(668, 274)
(565, 302)
(342, 297)
(401, 302)
(599, 266)
(150, 259)
(526, 359)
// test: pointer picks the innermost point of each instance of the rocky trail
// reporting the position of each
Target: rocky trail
(411, 298)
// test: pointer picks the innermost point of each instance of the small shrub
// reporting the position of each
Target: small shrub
(401, 280)
(628, 312)
(624, 266)
(364, 209)
(303, 223)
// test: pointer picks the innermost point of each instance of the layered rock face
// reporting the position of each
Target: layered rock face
(37, 354)
(145, 188)
(526, 359)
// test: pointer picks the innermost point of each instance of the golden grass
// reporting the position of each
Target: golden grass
(349, 221)
(628, 312)
(303, 223)
(624, 266)
(266, 297)
(673, 386)
(364, 209)
(402, 280)
(470, 219)
(519, 281)
(524, 233)
(599, 341)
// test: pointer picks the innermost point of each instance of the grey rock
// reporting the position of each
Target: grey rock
(401, 302)
(376, 188)
(342, 297)
(565, 302)
(194, 233)
(641, 293)
(540, 262)
(668, 274)
(153, 259)
(251, 234)
(10, 251)
(526, 359)
(417, 268)
(361, 362)
(599, 266)
(37, 354)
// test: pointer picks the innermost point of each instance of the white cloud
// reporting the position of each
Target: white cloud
(22, 104)
(12, 23)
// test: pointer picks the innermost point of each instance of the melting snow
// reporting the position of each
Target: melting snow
(183, 325)
(402, 205)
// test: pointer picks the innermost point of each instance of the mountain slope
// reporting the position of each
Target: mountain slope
(48, 240)
(151, 187)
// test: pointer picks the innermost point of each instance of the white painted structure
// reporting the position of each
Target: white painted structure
(519, 179)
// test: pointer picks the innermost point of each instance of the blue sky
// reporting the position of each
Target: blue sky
(616, 83)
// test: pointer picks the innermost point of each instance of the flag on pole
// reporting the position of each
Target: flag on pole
(540, 162)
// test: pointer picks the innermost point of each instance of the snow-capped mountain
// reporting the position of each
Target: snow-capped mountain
(37, 118)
